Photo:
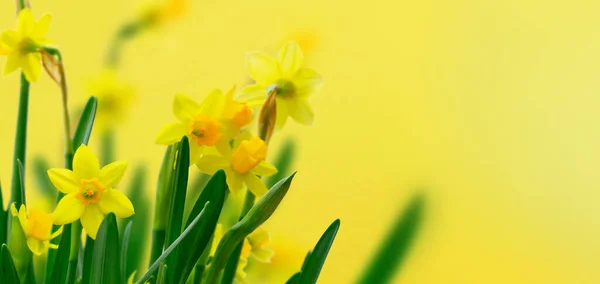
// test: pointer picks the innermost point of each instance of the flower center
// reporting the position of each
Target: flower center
(90, 191)
(40, 224)
(27, 45)
(248, 155)
(205, 130)
(284, 88)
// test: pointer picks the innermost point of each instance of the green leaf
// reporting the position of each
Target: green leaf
(60, 269)
(294, 279)
(180, 180)
(197, 243)
(8, 272)
(396, 246)
(316, 259)
(17, 244)
(16, 194)
(140, 228)
(3, 219)
(195, 187)
(87, 260)
(86, 123)
(44, 187)
(283, 162)
(105, 260)
(124, 248)
(172, 247)
(21, 171)
(262, 210)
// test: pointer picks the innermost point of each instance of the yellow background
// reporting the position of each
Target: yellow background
(492, 106)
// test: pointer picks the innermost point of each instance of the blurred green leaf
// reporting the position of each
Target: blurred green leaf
(8, 272)
(316, 259)
(194, 189)
(197, 243)
(140, 228)
(40, 172)
(283, 162)
(105, 264)
(396, 246)
(60, 269)
(172, 247)
(180, 180)
(86, 123)
(262, 210)
(17, 244)
(294, 279)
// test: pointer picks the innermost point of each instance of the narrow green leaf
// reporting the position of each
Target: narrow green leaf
(87, 260)
(170, 249)
(76, 229)
(316, 259)
(60, 269)
(195, 187)
(180, 180)
(17, 244)
(86, 123)
(283, 162)
(262, 210)
(44, 187)
(162, 274)
(21, 170)
(396, 246)
(8, 272)
(3, 219)
(140, 228)
(105, 264)
(20, 143)
(197, 243)
(295, 279)
(124, 248)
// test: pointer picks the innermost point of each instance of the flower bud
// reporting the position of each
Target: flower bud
(268, 116)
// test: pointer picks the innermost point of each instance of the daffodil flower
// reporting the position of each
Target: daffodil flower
(294, 84)
(242, 165)
(115, 98)
(36, 226)
(90, 193)
(22, 46)
(201, 123)
(237, 115)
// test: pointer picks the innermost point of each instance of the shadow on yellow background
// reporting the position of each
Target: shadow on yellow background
(489, 105)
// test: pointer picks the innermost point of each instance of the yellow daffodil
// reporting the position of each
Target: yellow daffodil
(22, 46)
(90, 192)
(236, 115)
(242, 165)
(201, 123)
(115, 98)
(36, 226)
(294, 84)
(253, 247)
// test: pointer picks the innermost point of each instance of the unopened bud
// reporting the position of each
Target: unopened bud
(268, 116)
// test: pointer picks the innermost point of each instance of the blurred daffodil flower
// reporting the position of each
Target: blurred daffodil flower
(242, 164)
(293, 83)
(89, 191)
(236, 116)
(201, 123)
(37, 226)
(115, 98)
(22, 46)
(163, 11)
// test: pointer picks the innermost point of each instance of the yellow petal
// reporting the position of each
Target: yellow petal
(23, 219)
(255, 184)
(91, 220)
(66, 181)
(263, 255)
(300, 110)
(235, 182)
(184, 108)
(36, 246)
(223, 147)
(25, 22)
(69, 209)
(131, 277)
(10, 39)
(195, 152)
(115, 201)
(290, 59)
(85, 163)
(282, 113)
(171, 133)
(13, 62)
(263, 68)
(32, 66)
(209, 164)
(111, 174)
(255, 95)
(213, 103)
(307, 82)
(42, 26)
(265, 169)
(57, 233)
(259, 237)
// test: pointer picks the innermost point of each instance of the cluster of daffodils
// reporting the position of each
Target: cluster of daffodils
(226, 136)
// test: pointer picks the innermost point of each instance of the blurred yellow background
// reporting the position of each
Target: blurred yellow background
(491, 106)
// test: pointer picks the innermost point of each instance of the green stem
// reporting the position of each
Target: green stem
(107, 146)
(21, 5)
(20, 143)
(234, 259)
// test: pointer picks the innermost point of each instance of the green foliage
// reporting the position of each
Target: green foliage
(316, 259)
(105, 264)
(397, 244)
(60, 269)
(140, 222)
(8, 272)
(83, 132)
